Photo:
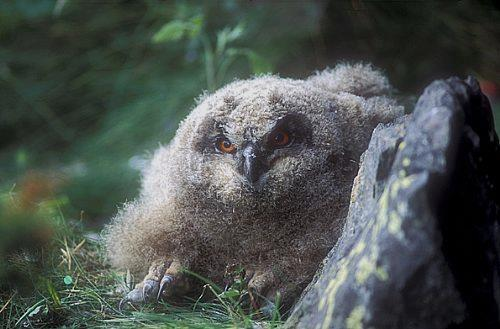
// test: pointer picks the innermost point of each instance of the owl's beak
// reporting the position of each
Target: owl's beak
(254, 164)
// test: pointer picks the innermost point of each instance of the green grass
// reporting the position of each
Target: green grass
(65, 280)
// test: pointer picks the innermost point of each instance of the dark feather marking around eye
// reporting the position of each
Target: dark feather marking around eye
(208, 132)
(297, 126)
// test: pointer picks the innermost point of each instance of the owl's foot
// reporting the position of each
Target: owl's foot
(160, 281)
(262, 293)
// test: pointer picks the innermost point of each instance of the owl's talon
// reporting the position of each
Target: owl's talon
(156, 283)
(268, 309)
(164, 283)
(120, 304)
(135, 296)
(149, 289)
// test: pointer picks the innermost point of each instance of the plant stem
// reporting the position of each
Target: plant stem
(209, 63)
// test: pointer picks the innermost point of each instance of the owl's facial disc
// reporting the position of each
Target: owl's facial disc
(253, 155)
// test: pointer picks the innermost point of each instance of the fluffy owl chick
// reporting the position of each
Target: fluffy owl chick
(258, 176)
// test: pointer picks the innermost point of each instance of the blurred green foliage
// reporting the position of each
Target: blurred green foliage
(24, 232)
(88, 89)
(31, 225)
(85, 90)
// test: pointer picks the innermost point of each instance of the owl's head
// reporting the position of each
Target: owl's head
(271, 140)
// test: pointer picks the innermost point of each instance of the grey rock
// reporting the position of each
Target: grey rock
(420, 246)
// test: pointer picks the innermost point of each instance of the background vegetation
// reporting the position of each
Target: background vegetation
(87, 89)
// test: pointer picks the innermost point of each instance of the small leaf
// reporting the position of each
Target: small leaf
(235, 33)
(68, 280)
(195, 26)
(36, 310)
(53, 293)
(228, 35)
(231, 293)
(177, 29)
(172, 31)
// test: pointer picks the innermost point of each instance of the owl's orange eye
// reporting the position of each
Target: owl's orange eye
(225, 146)
(280, 139)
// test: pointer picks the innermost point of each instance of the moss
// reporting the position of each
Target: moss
(365, 268)
(330, 293)
(394, 225)
(368, 266)
(406, 182)
(331, 290)
(355, 319)
(381, 273)
(358, 248)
